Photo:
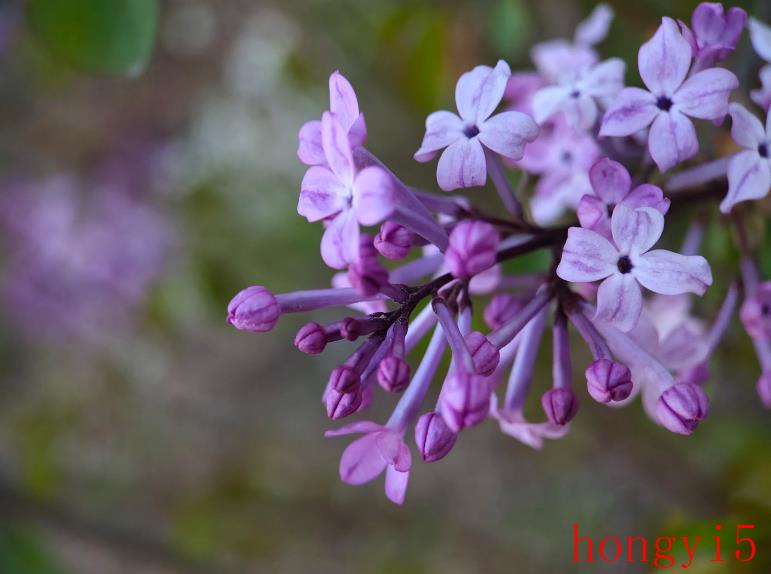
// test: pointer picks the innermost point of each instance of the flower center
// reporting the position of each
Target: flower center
(471, 131)
(624, 264)
(566, 157)
(575, 94)
(664, 103)
(610, 207)
(765, 310)
(763, 150)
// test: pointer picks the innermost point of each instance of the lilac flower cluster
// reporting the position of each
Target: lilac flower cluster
(574, 131)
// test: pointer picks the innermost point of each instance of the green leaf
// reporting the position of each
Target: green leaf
(103, 36)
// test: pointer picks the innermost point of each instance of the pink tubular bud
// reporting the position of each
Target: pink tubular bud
(393, 374)
(254, 309)
(473, 248)
(681, 407)
(340, 405)
(345, 379)
(484, 353)
(311, 339)
(560, 405)
(393, 241)
(464, 400)
(608, 381)
(501, 309)
(764, 389)
(433, 438)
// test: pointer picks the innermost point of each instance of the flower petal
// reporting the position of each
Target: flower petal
(396, 485)
(479, 91)
(357, 133)
(361, 461)
(610, 180)
(462, 165)
(354, 428)
(632, 110)
(342, 100)
(749, 177)
(760, 35)
(558, 60)
(373, 195)
(593, 214)
(705, 95)
(580, 112)
(594, 28)
(548, 101)
(442, 129)
(309, 149)
(670, 273)
(337, 148)
(586, 256)
(340, 243)
(507, 133)
(672, 140)
(619, 301)
(322, 194)
(647, 195)
(394, 451)
(636, 230)
(606, 79)
(664, 59)
(746, 129)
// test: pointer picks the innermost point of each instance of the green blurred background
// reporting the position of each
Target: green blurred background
(174, 444)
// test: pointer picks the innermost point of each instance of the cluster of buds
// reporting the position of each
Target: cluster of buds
(574, 129)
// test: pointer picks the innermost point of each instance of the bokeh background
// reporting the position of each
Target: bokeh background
(140, 434)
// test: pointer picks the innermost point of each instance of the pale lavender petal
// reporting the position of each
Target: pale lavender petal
(507, 133)
(337, 148)
(683, 348)
(647, 195)
(322, 194)
(595, 27)
(342, 100)
(610, 180)
(705, 95)
(633, 110)
(548, 101)
(394, 451)
(373, 195)
(442, 129)
(664, 59)
(636, 230)
(672, 140)
(462, 165)
(396, 485)
(355, 428)
(310, 150)
(760, 35)
(592, 214)
(479, 91)
(357, 133)
(340, 243)
(580, 112)
(606, 79)
(586, 256)
(749, 177)
(559, 59)
(762, 96)
(746, 129)
(361, 461)
(670, 273)
(619, 301)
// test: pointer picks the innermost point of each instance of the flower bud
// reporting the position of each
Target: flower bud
(254, 309)
(433, 438)
(608, 381)
(393, 374)
(485, 355)
(367, 275)
(393, 241)
(464, 400)
(501, 309)
(311, 339)
(560, 405)
(756, 312)
(340, 405)
(764, 389)
(681, 407)
(352, 328)
(345, 379)
(473, 247)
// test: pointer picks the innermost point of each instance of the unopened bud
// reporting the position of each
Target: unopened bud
(433, 438)
(608, 381)
(681, 407)
(254, 309)
(393, 374)
(560, 405)
(484, 353)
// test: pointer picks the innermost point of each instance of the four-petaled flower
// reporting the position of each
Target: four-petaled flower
(477, 95)
(749, 171)
(671, 99)
(627, 262)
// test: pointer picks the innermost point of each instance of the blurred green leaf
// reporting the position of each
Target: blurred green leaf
(22, 552)
(510, 26)
(104, 36)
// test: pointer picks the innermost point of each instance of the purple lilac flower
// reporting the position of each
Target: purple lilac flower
(756, 312)
(714, 33)
(466, 137)
(670, 100)
(612, 186)
(433, 437)
(473, 248)
(627, 262)
(749, 171)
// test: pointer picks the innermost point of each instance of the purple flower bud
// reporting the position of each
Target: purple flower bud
(311, 339)
(254, 309)
(393, 241)
(714, 32)
(681, 407)
(484, 353)
(393, 374)
(464, 400)
(345, 379)
(433, 438)
(367, 275)
(501, 309)
(756, 312)
(560, 405)
(473, 247)
(340, 405)
(764, 389)
(608, 380)
(352, 328)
